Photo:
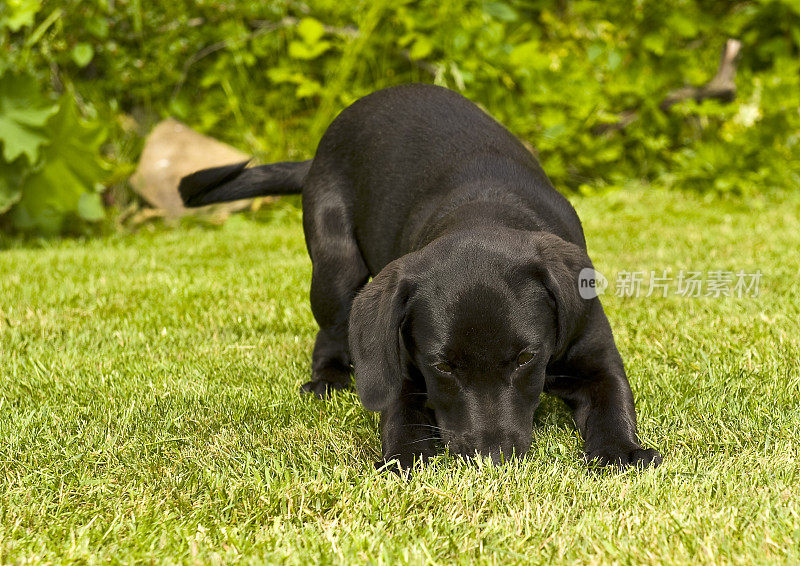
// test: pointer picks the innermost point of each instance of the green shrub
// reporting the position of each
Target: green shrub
(50, 164)
(269, 77)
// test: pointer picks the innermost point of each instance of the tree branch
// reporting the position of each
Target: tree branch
(721, 87)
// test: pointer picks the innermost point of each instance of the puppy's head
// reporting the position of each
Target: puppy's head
(474, 322)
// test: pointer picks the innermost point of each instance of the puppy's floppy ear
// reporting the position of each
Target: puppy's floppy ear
(560, 264)
(375, 325)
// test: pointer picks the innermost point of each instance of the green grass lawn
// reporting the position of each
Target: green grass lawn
(149, 408)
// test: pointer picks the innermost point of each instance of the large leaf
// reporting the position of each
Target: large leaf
(71, 168)
(11, 176)
(24, 111)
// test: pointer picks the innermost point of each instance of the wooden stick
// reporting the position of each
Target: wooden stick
(721, 87)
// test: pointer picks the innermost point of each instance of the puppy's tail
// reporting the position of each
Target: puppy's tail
(234, 182)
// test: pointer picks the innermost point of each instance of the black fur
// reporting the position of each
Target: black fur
(236, 182)
(474, 309)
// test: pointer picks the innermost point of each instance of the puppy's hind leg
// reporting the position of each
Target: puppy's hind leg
(338, 273)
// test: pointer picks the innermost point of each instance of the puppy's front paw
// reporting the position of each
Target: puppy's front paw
(326, 381)
(622, 459)
(322, 389)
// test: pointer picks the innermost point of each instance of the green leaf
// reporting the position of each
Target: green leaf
(655, 43)
(299, 50)
(682, 23)
(422, 48)
(614, 59)
(82, 54)
(308, 88)
(11, 176)
(310, 30)
(594, 51)
(16, 14)
(529, 55)
(65, 182)
(90, 207)
(284, 75)
(98, 27)
(23, 114)
(500, 11)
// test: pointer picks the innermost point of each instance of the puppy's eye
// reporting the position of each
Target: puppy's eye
(444, 367)
(524, 358)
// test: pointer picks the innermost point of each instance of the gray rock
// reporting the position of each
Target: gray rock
(171, 151)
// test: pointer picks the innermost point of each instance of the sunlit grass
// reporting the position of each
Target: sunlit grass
(149, 409)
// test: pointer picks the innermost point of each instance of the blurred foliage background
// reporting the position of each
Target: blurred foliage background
(82, 82)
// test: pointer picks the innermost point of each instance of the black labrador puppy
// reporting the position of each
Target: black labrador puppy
(474, 308)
